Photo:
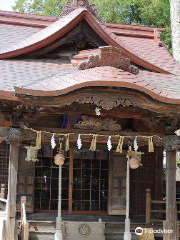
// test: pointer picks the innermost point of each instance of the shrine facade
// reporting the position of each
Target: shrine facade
(106, 97)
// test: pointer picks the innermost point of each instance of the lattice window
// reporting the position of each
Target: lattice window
(46, 181)
(90, 181)
(4, 163)
(142, 179)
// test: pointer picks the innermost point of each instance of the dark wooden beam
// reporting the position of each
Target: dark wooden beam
(139, 100)
(12, 185)
(171, 223)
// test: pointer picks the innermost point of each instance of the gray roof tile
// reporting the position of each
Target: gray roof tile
(20, 73)
(12, 34)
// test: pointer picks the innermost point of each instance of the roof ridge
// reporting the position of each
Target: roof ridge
(134, 27)
(27, 16)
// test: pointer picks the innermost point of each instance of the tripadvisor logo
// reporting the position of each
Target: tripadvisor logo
(139, 231)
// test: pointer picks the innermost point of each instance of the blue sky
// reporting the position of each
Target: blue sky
(6, 5)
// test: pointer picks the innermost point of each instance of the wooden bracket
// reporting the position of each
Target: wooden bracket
(172, 142)
(10, 134)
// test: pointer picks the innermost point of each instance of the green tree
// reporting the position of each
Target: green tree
(154, 13)
(41, 7)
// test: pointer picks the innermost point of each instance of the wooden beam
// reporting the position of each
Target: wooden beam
(148, 206)
(171, 224)
(139, 100)
(12, 188)
(71, 179)
(12, 136)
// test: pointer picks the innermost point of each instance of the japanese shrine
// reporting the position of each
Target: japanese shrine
(88, 115)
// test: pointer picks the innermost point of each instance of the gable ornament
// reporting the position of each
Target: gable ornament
(71, 6)
(108, 56)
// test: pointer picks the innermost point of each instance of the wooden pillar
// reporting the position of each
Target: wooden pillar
(148, 206)
(171, 224)
(12, 185)
(71, 179)
(3, 190)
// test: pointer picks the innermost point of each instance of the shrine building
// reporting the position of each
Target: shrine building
(88, 115)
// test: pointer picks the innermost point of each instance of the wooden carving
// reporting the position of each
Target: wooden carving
(81, 3)
(71, 6)
(104, 103)
(10, 134)
(83, 230)
(97, 123)
(109, 56)
(172, 142)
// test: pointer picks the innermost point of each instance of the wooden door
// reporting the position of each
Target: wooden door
(25, 185)
(117, 184)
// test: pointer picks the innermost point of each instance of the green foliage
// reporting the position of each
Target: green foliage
(41, 7)
(140, 12)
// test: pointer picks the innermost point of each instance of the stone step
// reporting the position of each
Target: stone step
(119, 236)
(41, 236)
(50, 236)
(42, 227)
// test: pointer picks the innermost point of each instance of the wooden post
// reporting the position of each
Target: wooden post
(12, 183)
(148, 206)
(24, 223)
(71, 179)
(171, 208)
(23, 201)
(3, 190)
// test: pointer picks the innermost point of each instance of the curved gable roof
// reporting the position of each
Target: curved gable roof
(104, 76)
(62, 26)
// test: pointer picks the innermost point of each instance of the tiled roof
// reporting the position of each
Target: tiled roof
(41, 36)
(56, 77)
(63, 26)
(20, 73)
(134, 30)
(164, 81)
(153, 52)
(102, 76)
(60, 82)
(24, 19)
(12, 34)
